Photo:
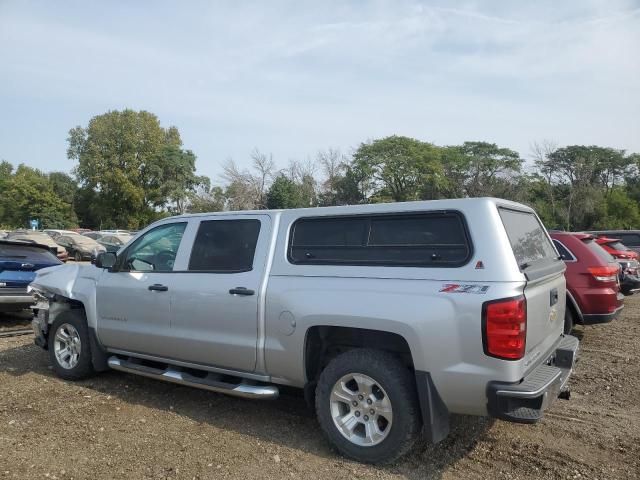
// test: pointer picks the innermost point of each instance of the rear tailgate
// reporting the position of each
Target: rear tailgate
(545, 290)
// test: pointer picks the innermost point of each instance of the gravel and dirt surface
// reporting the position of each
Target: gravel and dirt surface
(122, 426)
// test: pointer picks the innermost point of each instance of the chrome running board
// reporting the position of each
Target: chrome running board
(210, 381)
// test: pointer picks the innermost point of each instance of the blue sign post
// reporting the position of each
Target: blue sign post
(34, 224)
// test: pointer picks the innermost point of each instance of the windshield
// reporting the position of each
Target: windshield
(82, 240)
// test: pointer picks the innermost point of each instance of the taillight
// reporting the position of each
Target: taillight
(504, 328)
(604, 274)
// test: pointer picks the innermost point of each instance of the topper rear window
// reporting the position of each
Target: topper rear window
(434, 239)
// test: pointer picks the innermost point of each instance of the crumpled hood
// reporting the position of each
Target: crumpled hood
(61, 279)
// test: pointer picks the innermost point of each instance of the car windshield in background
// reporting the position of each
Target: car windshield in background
(10, 251)
(527, 236)
(619, 246)
(82, 240)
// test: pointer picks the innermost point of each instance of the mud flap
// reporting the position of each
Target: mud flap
(435, 415)
(99, 355)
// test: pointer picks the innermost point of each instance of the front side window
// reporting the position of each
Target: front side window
(156, 250)
(415, 240)
(225, 246)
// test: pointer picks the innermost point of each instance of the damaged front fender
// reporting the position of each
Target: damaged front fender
(70, 282)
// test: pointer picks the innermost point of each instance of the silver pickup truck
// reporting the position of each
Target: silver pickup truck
(390, 317)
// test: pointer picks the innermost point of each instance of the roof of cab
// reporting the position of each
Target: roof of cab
(445, 204)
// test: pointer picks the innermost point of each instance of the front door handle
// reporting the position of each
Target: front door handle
(241, 291)
(158, 288)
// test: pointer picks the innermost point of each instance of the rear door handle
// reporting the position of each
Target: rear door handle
(158, 288)
(241, 291)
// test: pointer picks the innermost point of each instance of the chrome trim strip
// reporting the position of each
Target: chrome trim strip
(261, 364)
(532, 393)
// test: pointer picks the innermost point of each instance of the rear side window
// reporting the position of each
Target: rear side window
(415, 240)
(564, 252)
(225, 246)
(527, 236)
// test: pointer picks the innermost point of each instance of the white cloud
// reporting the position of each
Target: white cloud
(292, 77)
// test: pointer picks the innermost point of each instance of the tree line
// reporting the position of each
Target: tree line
(131, 171)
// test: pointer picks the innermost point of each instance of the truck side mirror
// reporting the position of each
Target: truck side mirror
(105, 260)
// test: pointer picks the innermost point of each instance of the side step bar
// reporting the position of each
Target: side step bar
(210, 382)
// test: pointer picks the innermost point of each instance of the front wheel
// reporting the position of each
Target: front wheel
(78, 256)
(367, 406)
(69, 348)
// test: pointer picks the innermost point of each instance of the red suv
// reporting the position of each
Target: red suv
(615, 248)
(593, 289)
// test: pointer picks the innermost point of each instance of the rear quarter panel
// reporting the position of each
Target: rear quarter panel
(442, 329)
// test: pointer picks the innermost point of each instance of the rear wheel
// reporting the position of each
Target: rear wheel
(569, 320)
(69, 348)
(367, 406)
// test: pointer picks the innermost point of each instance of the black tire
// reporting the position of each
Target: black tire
(77, 256)
(84, 367)
(569, 320)
(399, 384)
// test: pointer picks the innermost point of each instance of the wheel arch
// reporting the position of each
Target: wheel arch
(324, 342)
(63, 305)
(573, 305)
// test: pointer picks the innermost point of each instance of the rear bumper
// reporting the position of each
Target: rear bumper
(630, 284)
(13, 298)
(526, 401)
(595, 318)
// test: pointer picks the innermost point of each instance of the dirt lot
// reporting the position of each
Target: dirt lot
(122, 426)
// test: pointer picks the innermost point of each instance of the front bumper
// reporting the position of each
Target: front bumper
(40, 325)
(526, 401)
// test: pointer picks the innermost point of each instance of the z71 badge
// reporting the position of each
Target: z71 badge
(458, 288)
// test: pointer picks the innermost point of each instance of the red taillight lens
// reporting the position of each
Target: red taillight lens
(504, 328)
(604, 274)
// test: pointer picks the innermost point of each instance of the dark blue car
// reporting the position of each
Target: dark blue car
(19, 262)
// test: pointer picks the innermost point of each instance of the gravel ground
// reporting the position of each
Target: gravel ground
(122, 426)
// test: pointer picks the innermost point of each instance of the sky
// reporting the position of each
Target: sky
(291, 78)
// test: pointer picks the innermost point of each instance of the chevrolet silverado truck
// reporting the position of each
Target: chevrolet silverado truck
(390, 317)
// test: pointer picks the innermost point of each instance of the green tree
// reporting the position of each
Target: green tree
(622, 211)
(30, 195)
(479, 169)
(207, 199)
(283, 193)
(133, 165)
(400, 167)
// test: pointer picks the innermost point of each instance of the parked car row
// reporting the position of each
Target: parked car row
(69, 244)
